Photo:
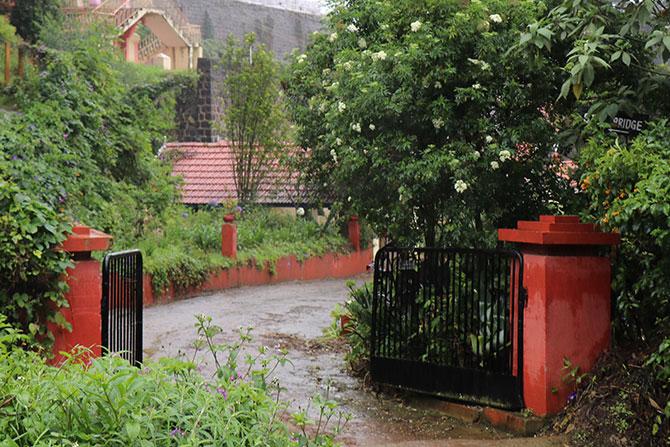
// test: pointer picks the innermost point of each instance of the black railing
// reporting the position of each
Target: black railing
(122, 305)
(449, 322)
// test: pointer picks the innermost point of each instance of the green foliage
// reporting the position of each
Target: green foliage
(106, 401)
(28, 16)
(185, 248)
(81, 149)
(359, 328)
(610, 52)
(253, 114)
(629, 192)
(30, 267)
(419, 124)
(7, 31)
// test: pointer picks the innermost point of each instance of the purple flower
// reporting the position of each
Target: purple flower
(65, 135)
(239, 209)
(572, 396)
(15, 157)
(177, 432)
(222, 392)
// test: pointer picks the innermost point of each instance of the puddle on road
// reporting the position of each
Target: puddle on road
(377, 418)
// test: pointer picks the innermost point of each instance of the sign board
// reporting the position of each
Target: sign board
(628, 126)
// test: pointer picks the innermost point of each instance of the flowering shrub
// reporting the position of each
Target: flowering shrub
(414, 113)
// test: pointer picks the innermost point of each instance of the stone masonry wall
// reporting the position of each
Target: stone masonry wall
(280, 30)
(198, 110)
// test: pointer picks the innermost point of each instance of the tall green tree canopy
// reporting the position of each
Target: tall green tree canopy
(418, 120)
(28, 16)
(253, 115)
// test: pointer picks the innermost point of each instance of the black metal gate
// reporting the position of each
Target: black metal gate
(122, 305)
(449, 322)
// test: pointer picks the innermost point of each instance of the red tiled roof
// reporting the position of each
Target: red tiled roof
(207, 171)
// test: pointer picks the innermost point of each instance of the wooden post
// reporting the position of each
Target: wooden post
(8, 62)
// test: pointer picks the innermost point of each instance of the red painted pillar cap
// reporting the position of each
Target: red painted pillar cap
(85, 239)
(229, 218)
(557, 230)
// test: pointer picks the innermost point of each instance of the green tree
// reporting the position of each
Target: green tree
(28, 16)
(7, 31)
(253, 115)
(418, 121)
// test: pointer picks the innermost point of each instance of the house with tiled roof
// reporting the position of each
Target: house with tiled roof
(207, 171)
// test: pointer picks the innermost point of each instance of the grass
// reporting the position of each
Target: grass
(187, 248)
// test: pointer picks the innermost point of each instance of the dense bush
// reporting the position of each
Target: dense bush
(167, 403)
(81, 148)
(419, 122)
(629, 192)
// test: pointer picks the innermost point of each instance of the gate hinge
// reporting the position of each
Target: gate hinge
(523, 297)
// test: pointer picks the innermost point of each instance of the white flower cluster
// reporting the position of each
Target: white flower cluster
(302, 58)
(505, 155)
(415, 26)
(362, 43)
(460, 186)
(372, 127)
(379, 56)
(338, 141)
(352, 28)
(476, 86)
(438, 123)
(341, 107)
(488, 139)
(356, 127)
(334, 155)
(481, 64)
(494, 165)
(300, 212)
(332, 37)
(347, 66)
(476, 154)
(495, 18)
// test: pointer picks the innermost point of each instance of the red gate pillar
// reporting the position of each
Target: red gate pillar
(229, 237)
(84, 295)
(568, 311)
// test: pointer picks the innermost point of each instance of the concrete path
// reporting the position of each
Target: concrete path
(294, 315)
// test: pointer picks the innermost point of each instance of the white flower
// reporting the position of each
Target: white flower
(384, 26)
(334, 85)
(332, 37)
(476, 86)
(380, 56)
(347, 65)
(505, 155)
(438, 84)
(415, 26)
(494, 165)
(438, 123)
(485, 66)
(325, 72)
(356, 127)
(338, 141)
(300, 212)
(341, 107)
(334, 155)
(352, 28)
(372, 127)
(302, 58)
(460, 186)
(477, 155)
(362, 43)
(323, 107)
(495, 18)
(488, 139)
(349, 199)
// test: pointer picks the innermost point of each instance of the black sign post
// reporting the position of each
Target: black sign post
(628, 127)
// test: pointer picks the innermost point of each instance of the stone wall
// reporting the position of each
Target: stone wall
(198, 109)
(280, 30)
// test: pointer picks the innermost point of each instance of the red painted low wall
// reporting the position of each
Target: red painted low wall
(328, 266)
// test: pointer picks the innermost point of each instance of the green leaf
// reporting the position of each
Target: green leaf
(625, 58)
